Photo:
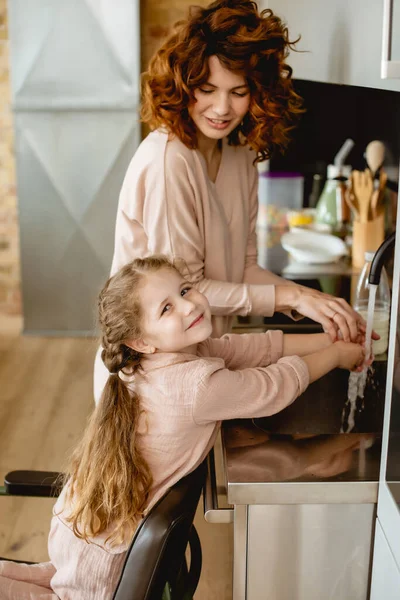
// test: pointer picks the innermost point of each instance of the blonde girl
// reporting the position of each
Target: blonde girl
(169, 387)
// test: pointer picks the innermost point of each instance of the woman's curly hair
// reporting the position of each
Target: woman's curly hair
(247, 42)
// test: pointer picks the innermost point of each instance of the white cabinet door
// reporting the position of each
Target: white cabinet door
(341, 41)
(385, 573)
(390, 68)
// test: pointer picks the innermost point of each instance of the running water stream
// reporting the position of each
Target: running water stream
(357, 381)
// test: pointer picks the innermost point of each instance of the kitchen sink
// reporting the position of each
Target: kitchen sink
(321, 409)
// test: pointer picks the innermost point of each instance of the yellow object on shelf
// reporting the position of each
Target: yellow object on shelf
(300, 218)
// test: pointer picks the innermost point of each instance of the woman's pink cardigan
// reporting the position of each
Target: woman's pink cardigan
(168, 205)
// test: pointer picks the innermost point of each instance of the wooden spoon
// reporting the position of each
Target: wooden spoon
(375, 155)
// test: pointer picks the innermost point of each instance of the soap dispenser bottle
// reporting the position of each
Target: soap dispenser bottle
(331, 208)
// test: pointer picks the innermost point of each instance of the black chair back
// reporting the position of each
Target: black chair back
(157, 552)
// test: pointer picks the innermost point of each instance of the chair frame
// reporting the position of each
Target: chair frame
(168, 527)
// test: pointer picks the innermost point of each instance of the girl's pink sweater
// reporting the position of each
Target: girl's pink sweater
(185, 397)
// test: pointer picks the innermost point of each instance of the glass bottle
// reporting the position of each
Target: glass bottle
(331, 208)
(382, 304)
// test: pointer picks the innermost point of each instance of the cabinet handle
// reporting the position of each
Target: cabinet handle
(390, 69)
(212, 513)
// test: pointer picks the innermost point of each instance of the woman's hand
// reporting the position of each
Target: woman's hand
(336, 316)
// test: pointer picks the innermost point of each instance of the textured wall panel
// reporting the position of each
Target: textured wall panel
(74, 54)
(75, 84)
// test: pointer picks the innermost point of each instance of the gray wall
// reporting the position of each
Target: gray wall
(75, 93)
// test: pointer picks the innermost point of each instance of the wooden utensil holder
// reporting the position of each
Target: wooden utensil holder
(367, 237)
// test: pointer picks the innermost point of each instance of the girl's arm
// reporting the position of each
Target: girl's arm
(255, 392)
(320, 354)
(319, 363)
(243, 350)
(344, 355)
(262, 391)
(302, 344)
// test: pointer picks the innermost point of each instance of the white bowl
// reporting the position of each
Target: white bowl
(312, 247)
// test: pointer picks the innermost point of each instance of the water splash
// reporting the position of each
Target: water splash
(370, 319)
(357, 381)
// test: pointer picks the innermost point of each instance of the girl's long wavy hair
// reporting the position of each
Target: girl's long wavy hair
(247, 42)
(109, 479)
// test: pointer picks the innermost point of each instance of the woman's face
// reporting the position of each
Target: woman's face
(221, 103)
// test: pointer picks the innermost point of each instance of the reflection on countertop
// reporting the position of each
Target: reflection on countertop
(266, 468)
(299, 455)
(255, 455)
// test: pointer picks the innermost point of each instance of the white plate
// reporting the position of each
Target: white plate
(312, 247)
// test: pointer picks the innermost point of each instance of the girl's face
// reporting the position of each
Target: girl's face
(176, 317)
(221, 103)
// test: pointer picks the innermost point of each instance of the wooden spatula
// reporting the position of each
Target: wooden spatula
(378, 194)
(350, 200)
(363, 186)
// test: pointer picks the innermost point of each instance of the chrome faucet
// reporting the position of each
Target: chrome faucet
(379, 259)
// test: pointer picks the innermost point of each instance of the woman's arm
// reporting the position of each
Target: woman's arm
(334, 314)
(173, 224)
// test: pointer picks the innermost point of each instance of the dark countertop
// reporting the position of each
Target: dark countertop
(322, 408)
(300, 455)
(264, 468)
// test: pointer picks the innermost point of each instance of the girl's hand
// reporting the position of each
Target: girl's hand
(350, 356)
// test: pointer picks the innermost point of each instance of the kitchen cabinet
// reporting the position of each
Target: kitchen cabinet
(341, 41)
(386, 561)
(385, 573)
(304, 512)
(303, 495)
(390, 68)
(395, 39)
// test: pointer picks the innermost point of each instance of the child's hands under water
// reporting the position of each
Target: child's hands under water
(350, 356)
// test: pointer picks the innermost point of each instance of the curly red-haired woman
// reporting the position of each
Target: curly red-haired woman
(218, 97)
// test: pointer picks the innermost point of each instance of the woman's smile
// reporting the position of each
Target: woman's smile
(218, 123)
(221, 103)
